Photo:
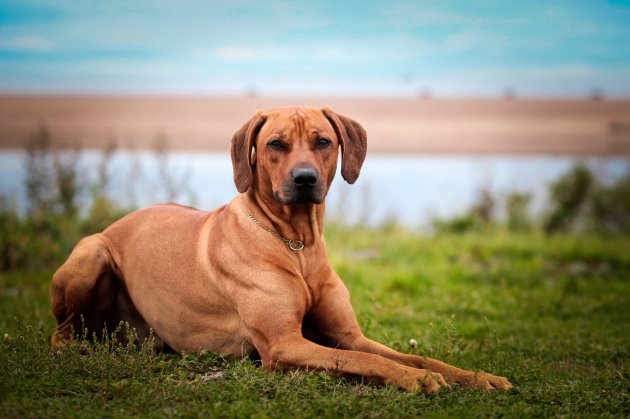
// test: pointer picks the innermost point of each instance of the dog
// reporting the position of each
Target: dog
(251, 277)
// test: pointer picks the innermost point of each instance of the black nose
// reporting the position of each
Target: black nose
(304, 176)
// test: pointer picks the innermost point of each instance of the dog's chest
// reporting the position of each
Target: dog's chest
(313, 280)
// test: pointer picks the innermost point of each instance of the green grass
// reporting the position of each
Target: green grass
(550, 313)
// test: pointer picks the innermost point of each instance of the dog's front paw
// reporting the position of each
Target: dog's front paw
(422, 381)
(483, 380)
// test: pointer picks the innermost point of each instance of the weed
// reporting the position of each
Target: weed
(517, 205)
(578, 201)
(569, 197)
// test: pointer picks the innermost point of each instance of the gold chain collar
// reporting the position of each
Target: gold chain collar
(293, 244)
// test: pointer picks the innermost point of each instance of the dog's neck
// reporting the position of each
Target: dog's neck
(302, 222)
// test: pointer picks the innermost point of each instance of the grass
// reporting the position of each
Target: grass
(550, 313)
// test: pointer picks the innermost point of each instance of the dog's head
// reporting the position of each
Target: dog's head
(292, 152)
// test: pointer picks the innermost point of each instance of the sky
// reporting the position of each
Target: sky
(392, 48)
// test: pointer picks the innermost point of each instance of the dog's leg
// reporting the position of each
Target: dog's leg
(74, 284)
(272, 310)
(295, 352)
(336, 320)
(87, 295)
(453, 375)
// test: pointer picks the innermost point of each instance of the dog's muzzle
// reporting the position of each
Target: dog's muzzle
(304, 177)
(303, 186)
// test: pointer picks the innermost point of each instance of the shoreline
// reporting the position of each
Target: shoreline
(396, 126)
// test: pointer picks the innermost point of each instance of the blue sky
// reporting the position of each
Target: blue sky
(449, 48)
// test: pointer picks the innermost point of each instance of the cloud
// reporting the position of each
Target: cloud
(234, 53)
(26, 43)
(476, 39)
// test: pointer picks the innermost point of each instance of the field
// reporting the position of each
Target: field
(542, 301)
(394, 125)
(549, 312)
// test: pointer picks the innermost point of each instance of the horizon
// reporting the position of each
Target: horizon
(588, 97)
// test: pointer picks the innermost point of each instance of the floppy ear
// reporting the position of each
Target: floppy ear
(353, 140)
(241, 147)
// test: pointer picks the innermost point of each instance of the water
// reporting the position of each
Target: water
(412, 189)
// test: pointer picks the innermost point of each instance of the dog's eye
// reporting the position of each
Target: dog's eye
(276, 144)
(323, 143)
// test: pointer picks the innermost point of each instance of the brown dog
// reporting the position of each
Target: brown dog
(251, 276)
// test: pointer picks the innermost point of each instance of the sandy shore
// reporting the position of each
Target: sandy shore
(394, 125)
